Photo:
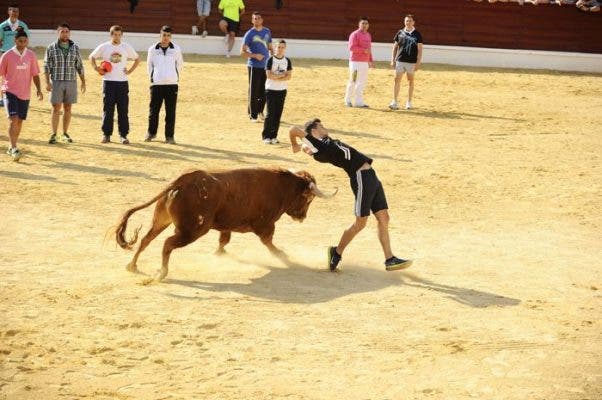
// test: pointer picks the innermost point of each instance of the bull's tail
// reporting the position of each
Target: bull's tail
(123, 223)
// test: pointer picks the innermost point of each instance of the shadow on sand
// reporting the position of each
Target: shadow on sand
(300, 284)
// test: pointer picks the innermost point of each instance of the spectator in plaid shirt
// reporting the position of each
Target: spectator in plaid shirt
(61, 63)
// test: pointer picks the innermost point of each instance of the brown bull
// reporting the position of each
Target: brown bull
(242, 200)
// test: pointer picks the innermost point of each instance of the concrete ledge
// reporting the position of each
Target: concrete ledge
(329, 49)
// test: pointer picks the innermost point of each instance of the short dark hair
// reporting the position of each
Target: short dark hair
(281, 41)
(256, 13)
(166, 28)
(116, 28)
(364, 18)
(13, 5)
(410, 16)
(311, 124)
(20, 33)
(63, 25)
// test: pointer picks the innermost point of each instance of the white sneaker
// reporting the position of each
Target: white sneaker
(261, 116)
(205, 33)
(393, 105)
(15, 154)
(267, 141)
(195, 30)
(227, 54)
(275, 141)
(408, 105)
(254, 120)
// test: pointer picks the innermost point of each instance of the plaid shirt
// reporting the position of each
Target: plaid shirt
(60, 67)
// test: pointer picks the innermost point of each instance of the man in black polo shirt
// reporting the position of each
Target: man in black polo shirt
(368, 190)
(406, 58)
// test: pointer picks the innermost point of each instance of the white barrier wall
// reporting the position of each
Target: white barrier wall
(329, 49)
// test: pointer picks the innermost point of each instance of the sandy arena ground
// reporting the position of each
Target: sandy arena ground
(494, 187)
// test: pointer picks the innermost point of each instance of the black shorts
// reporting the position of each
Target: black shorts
(369, 193)
(233, 26)
(15, 107)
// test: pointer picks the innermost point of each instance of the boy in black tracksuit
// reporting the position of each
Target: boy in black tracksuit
(368, 190)
(278, 70)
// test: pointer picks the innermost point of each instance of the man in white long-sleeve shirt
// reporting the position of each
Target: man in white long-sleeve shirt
(164, 67)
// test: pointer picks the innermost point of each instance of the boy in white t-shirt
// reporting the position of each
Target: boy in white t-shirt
(279, 70)
(115, 87)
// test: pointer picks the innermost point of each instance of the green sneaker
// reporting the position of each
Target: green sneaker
(395, 264)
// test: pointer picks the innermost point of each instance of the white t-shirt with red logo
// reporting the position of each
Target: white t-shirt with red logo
(118, 55)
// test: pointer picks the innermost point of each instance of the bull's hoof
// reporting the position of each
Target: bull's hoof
(162, 273)
(220, 252)
(131, 267)
(147, 282)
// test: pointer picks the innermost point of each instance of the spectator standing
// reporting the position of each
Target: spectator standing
(256, 47)
(115, 87)
(17, 68)
(203, 10)
(62, 64)
(165, 64)
(278, 70)
(230, 22)
(8, 30)
(360, 60)
(406, 58)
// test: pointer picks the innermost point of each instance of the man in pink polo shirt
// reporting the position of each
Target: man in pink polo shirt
(17, 67)
(360, 48)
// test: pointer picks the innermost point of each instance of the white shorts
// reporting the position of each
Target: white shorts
(203, 7)
(401, 67)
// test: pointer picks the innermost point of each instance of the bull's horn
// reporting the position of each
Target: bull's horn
(318, 192)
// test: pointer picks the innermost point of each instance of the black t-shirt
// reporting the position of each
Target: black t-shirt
(408, 45)
(339, 154)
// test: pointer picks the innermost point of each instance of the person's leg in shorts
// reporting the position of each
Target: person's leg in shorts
(203, 10)
(230, 29)
(380, 209)
(363, 201)
(16, 110)
(408, 68)
(63, 94)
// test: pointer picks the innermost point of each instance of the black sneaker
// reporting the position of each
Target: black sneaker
(52, 139)
(394, 264)
(333, 258)
(149, 137)
(66, 138)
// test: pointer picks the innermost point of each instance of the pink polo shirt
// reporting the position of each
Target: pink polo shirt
(358, 43)
(17, 71)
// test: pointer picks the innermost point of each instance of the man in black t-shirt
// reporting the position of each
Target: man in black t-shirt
(406, 58)
(368, 190)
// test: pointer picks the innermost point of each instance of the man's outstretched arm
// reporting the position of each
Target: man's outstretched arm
(295, 133)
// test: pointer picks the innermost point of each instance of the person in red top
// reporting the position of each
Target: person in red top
(17, 67)
(360, 59)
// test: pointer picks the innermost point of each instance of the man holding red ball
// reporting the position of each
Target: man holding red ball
(115, 86)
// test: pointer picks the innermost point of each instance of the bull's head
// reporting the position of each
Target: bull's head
(307, 191)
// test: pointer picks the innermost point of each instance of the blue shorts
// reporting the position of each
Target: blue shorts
(203, 7)
(15, 107)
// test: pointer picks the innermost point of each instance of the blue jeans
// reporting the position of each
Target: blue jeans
(115, 93)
